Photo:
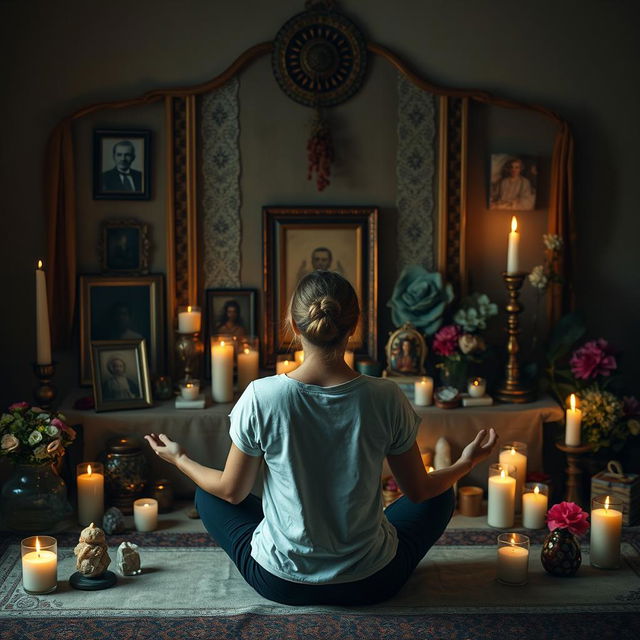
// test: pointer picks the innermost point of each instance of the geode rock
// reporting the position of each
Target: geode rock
(128, 559)
(113, 521)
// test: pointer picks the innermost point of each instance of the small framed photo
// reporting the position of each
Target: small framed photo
(229, 312)
(122, 308)
(406, 351)
(299, 240)
(121, 164)
(514, 182)
(124, 247)
(120, 375)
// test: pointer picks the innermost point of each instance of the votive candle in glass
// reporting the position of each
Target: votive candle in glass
(606, 529)
(39, 564)
(145, 514)
(513, 558)
(535, 501)
(190, 389)
(90, 483)
(476, 387)
(501, 496)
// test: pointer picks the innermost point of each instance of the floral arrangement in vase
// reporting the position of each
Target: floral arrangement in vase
(589, 370)
(459, 343)
(561, 554)
(31, 435)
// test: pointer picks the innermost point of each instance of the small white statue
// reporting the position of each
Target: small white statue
(442, 458)
(128, 559)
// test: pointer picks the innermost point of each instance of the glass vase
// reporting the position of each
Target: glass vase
(34, 500)
(560, 554)
(453, 373)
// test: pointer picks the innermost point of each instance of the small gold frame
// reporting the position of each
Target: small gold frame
(407, 361)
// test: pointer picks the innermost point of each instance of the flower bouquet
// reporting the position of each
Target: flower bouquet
(31, 435)
(561, 554)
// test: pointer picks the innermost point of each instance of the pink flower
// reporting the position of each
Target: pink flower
(630, 406)
(18, 405)
(70, 433)
(568, 515)
(56, 422)
(593, 359)
(445, 342)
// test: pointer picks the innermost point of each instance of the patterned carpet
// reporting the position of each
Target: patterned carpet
(476, 623)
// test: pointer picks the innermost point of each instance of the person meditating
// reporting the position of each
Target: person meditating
(320, 535)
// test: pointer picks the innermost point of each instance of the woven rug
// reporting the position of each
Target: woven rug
(190, 589)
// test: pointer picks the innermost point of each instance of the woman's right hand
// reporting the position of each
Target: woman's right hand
(166, 448)
(475, 452)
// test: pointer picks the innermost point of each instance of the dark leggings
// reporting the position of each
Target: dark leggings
(418, 526)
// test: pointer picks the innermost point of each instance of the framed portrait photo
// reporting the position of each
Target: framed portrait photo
(124, 247)
(122, 308)
(514, 182)
(299, 240)
(230, 312)
(121, 164)
(406, 351)
(120, 375)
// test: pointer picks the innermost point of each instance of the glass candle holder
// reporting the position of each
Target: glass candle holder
(535, 501)
(606, 529)
(189, 319)
(513, 558)
(285, 362)
(476, 387)
(90, 483)
(515, 454)
(248, 361)
(39, 564)
(162, 491)
(501, 496)
(190, 389)
(145, 514)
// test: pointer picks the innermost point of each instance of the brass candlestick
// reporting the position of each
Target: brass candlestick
(45, 392)
(512, 388)
(189, 349)
(573, 490)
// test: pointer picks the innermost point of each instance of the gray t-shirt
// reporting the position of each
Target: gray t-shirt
(323, 448)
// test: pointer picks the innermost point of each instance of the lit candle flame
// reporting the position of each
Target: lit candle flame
(475, 383)
(606, 504)
(40, 265)
(513, 539)
(573, 402)
(246, 350)
(503, 475)
(536, 490)
(38, 546)
(146, 504)
(514, 224)
(513, 451)
(286, 362)
(189, 309)
(222, 343)
(89, 469)
(189, 385)
(430, 469)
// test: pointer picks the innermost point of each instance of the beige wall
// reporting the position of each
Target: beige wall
(60, 56)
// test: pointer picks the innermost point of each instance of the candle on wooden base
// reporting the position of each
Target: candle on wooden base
(573, 421)
(606, 530)
(90, 483)
(513, 559)
(39, 564)
(513, 248)
(43, 332)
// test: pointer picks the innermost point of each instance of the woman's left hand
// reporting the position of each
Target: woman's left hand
(166, 448)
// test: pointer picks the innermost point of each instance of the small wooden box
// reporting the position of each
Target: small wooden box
(626, 488)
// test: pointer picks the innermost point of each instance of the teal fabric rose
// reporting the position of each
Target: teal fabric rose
(420, 298)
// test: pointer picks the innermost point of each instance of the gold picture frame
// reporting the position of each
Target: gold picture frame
(124, 247)
(406, 350)
(299, 239)
(120, 375)
(122, 308)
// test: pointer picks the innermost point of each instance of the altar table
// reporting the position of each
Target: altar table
(204, 433)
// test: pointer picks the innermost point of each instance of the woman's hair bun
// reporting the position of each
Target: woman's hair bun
(323, 316)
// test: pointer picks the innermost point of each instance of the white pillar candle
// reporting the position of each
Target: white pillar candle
(534, 508)
(222, 371)
(247, 367)
(39, 564)
(145, 514)
(299, 356)
(90, 482)
(43, 333)
(501, 498)
(423, 392)
(189, 321)
(350, 358)
(513, 248)
(573, 420)
(190, 390)
(606, 529)
(513, 558)
(515, 454)
(477, 387)
(286, 365)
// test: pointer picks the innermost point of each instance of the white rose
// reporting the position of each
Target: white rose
(34, 437)
(9, 442)
(537, 278)
(52, 430)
